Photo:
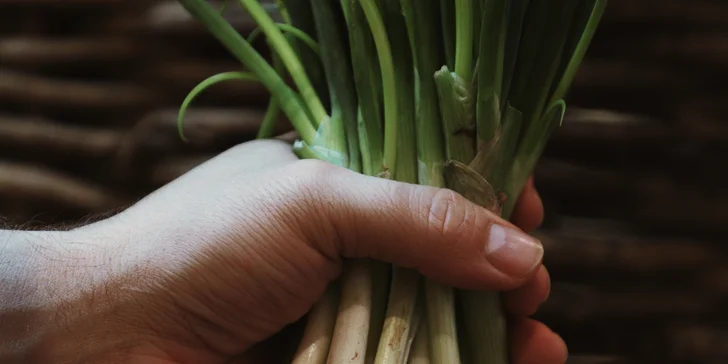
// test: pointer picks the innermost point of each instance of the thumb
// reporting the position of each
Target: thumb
(433, 230)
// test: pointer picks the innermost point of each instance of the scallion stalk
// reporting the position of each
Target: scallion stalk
(422, 29)
(464, 98)
(389, 85)
(400, 322)
(351, 331)
(583, 37)
(316, 341)
(234, 42)
(420, 353)
(353, 321)
(447, 21)
(289, 58)
(273, 111)
(335, 56)
(301, 17)
(283, 10)
(464, 17)
(491, 61)
(368, 80)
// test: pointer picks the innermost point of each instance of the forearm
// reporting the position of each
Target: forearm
(25, 309)
(46, 289)
(81, 296)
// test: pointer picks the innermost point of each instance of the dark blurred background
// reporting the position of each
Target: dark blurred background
(634, 182)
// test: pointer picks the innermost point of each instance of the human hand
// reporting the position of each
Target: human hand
(237, 249)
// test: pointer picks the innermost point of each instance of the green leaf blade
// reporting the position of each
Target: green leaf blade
(544, 40)
(529, 152)
(204, 85)
(297, 33)
(331, 30)
(490, 72)
(368, 82)
(281, 46)
(302, 18)
(289, 100)
(582, 37)
(422, 29)
(389, 82)
(404, 71)
(447, 13)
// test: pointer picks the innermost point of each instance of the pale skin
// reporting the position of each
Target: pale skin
(220, 260)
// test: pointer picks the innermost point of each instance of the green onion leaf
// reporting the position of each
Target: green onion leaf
(529, 152)
(517, 10)
(303, 151)
(337, 65)
(299, 34)
(283, 10)
(301, 16)
(389, 84)
(290, 101)
(490, 71)
(423, 30)
(464, 17)
(288, 56)
(267, 128)
(541, 51)
(204, 85)
(368, 81)
(582, 37)
(403, 70)
(447, 14)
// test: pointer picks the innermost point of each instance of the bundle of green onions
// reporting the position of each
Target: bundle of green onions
(459, 94)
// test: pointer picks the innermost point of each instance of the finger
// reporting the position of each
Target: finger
(436, 231)
(528, 212)
(534, 343)
(525, 300)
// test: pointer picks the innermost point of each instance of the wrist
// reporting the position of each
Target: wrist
(50, 282)
(25, 309)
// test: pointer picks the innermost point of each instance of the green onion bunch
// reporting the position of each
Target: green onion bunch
(458, 94)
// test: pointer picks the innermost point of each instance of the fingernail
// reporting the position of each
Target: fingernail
(512, 251)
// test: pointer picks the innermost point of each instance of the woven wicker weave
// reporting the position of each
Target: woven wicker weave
(633, 182)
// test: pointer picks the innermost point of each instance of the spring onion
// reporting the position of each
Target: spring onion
(458, 94)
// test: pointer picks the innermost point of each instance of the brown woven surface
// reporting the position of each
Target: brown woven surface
(633, 182)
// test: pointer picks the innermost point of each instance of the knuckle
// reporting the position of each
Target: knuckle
(449, 215)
